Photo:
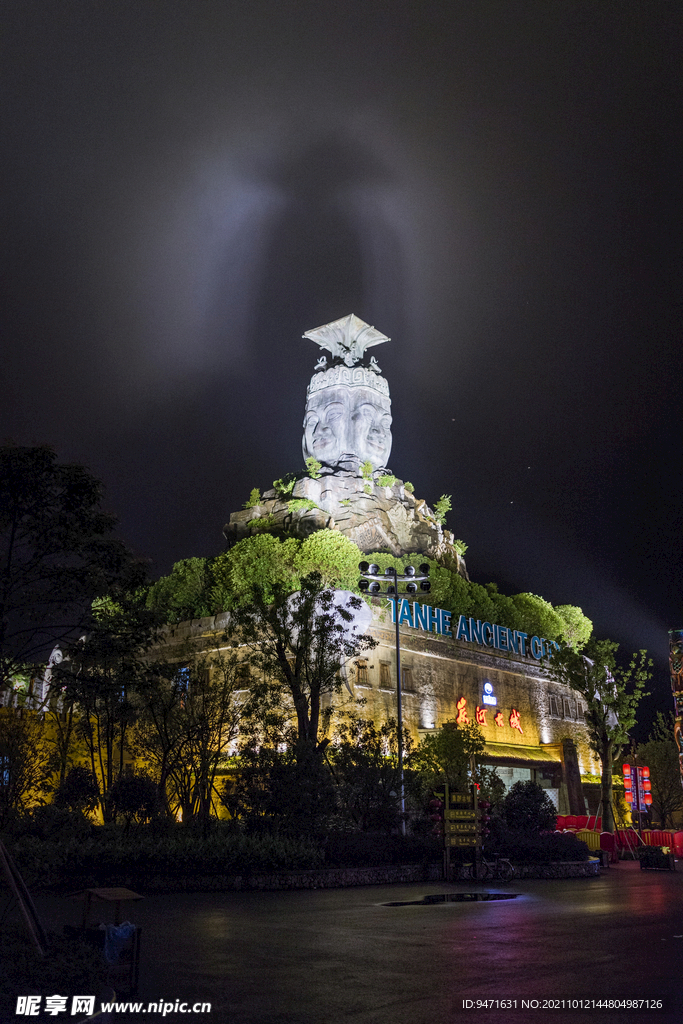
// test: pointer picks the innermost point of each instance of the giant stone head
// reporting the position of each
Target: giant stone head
(348, 409)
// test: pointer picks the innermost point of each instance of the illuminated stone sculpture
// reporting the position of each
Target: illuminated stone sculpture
(347, 422)
(346, 447)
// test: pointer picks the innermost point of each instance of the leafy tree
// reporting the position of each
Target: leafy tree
(99, 678)
(364, 764)
(447, 755)
(24, 770)
(207, 726)
(528, 808)
(538, 615)
(313, 467)
(159, 736)
(254, 498)
(280, 789)
(297, 644)
(333, 556)
(285, 485)
(184, 593)
(265, 564)
(442, 507)
(259, 564)
(134, 797)
(612, 694)
(577, 628)
(452, 755)
(78, 791)
(57, 553)
(660, 754)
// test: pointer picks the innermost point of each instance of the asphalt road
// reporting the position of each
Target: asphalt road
(342, 955)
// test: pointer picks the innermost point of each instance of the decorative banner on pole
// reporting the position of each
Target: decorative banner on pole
(676, 671)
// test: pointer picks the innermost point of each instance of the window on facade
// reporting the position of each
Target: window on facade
(362, 673)
(181, 681)
(385, 675)
(554, 705)
(407, 683)
(567, 709)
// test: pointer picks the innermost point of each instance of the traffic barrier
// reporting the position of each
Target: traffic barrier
(608, 843)
(590, 838)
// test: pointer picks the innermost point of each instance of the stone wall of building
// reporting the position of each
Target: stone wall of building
(444, 678)
(440, 672)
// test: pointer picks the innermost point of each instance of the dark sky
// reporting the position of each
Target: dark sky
(188, 187)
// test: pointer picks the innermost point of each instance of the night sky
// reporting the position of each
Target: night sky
(188, 187)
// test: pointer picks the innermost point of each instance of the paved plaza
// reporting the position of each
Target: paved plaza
(342, 955)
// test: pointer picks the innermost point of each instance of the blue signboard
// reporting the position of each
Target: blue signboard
(473, 631)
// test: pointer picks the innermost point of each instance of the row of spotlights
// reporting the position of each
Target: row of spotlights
(374, 570)
(375, 587)
(408, 570)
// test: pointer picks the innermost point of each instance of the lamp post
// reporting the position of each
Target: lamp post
(371, 583)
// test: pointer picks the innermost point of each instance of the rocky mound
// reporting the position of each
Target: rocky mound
(375, 517)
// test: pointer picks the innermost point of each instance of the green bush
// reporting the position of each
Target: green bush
(654, 857)
(374, 849)
(49, 822)
(199, 587)
(525, 848)
(528, 808)
(78, 791)
(141, 856)
(184, 593)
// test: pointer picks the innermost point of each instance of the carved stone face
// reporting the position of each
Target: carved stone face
(325, 424)
(350, 421)
(371, 421)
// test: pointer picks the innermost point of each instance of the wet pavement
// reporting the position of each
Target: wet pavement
(345, 955)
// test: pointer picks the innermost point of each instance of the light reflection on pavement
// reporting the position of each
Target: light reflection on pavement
(340, 955)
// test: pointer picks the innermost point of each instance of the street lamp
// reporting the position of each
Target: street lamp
(371, 582)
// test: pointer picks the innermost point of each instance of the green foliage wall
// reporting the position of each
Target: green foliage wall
(197, 586)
